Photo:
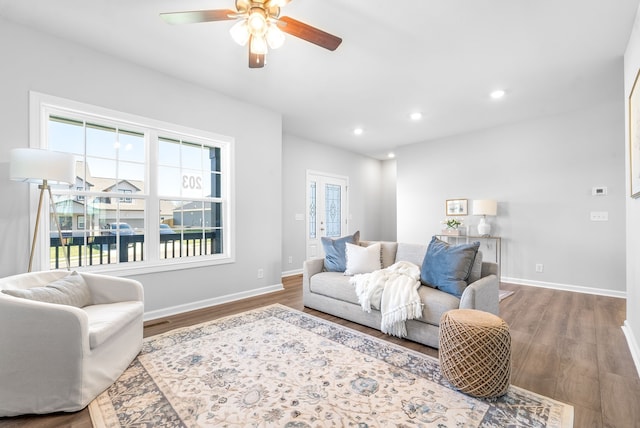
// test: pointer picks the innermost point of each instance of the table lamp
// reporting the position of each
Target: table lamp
(43, 167)
(484, 207)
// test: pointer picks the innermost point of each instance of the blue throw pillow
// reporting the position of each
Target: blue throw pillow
(335, 251)
(447, 267)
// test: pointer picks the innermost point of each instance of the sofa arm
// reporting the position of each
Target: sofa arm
(482, 295)
(43, 346)
(309, 268)
(112, 289)
(489, 268)
(26, 324)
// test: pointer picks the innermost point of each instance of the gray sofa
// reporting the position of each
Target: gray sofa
(331, 292)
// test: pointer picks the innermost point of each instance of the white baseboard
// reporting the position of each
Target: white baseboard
(566, 287)
(292, 272)
(633, 345)
(174, 310)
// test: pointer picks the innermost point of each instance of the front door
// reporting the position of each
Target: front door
(327, 207)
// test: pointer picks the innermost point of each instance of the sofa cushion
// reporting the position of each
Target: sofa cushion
(435, 303)
(109, 319)
(476, 269)
(334, 285)
(70, 290)
(447, 267)
(362, 259)
(335, 251)
(413, 253)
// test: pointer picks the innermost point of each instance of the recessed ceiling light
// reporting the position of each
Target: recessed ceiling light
(358, 131)
(416, 115)
(497, 94)
(391, 155)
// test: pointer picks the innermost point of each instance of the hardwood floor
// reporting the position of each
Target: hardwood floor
(567, 346)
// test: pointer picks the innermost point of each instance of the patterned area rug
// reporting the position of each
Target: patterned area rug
(279, 367)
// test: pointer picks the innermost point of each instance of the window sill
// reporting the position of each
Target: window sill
(143, 268)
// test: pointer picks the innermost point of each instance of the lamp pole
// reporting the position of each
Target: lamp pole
(45, 186)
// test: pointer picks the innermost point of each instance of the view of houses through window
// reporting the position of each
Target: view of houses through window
(123, 208)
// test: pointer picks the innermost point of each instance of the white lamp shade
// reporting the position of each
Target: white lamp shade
(485, 207)
(36, 165)
(275, 36)
(258, 45)
(240, 32)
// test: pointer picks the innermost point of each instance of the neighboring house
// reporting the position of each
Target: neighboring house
(95, 213)
(131, 208)
(190, 215)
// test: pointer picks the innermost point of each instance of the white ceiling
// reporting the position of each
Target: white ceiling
(439, 57)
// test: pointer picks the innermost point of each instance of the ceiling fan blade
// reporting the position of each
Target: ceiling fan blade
(196, 16)
(309, 33)
(256, 60)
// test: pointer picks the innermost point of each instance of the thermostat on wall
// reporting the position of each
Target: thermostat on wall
(599, 191)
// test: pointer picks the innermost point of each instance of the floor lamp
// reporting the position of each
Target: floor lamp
(43, 167)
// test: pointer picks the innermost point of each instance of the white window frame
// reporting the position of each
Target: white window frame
(43, 105)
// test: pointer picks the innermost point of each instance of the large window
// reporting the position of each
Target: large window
(146, 193)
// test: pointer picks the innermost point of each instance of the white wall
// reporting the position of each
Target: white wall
(366, 193)
(541, 172)
(632, 324)
(34, 61)
(388, 201)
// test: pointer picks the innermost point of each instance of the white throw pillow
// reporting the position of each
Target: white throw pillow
(362, 259)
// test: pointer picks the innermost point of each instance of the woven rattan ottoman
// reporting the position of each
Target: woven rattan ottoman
(475, 352)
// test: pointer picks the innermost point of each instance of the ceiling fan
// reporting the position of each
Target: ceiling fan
(260, 25)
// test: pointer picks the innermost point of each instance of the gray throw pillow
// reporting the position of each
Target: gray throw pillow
(447, 267)
(71, 290)
(335, 251)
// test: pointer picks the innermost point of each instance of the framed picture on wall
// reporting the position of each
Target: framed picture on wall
(634, 138)
(456, 207)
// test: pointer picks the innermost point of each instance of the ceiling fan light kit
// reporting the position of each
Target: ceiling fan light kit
(257, 21)
(260, 26)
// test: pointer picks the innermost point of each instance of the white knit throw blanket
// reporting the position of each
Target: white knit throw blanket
(393, 291)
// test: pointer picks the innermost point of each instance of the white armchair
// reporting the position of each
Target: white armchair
(56, 357)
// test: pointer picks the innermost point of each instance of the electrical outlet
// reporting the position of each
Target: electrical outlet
(539, 267)
(599, 216)
(260, 273)
(290, 259)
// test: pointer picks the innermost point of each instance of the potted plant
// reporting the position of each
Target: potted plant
(452, 226)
